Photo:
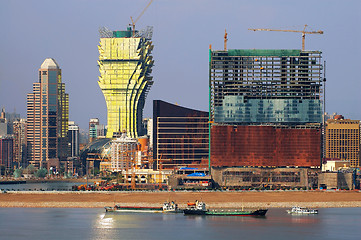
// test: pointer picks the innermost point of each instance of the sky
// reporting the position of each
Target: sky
(67, 30)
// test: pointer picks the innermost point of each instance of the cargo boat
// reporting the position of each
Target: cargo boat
(118, 208)
(168, 207)
(199, 208)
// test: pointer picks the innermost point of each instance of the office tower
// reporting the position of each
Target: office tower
(20, 143)
(93, 123)
(180, 137)
(73, 139)
(47, 116)
(265, 107)
(6, 154)
(125, 63)
(343, 140)
(96, 129)
(11, 117)
(3, 123)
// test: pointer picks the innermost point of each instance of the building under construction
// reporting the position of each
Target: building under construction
(125, 63)
(265, 112)
(265, 86)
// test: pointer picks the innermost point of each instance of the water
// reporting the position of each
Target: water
(46, 186)
(65, 223)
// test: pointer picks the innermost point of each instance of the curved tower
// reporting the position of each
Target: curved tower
(125, 64)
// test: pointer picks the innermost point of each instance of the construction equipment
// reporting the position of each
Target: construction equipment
(304, 32)
(136, 20)
(225, 39)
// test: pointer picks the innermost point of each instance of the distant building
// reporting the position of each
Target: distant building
(343, 140)
(125, 63)
(11, 118)
(6, 153)
(20, 142)
(96, 129)
(148, 124)
(47, 117)
(3, 123)
(124, 153)
(180, 136)
(73, 139)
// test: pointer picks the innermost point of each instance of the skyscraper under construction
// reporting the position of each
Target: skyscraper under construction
(125, 63)
(265, 107)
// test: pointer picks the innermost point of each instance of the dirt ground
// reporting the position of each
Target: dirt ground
(215, 199)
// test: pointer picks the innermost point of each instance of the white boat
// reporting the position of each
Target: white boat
(171, 207)
(302, 210)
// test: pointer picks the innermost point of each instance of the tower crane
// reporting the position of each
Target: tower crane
(225, 39)
(136, 20)
(304, 32)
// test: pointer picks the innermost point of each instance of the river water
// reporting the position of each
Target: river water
(67, 223)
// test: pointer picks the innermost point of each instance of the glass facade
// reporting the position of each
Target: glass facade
(180, 136)
(235, 109)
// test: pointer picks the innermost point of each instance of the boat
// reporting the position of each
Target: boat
(199, 208)
(302, 210)
(168, 207)
(133, 209)
(171, 207)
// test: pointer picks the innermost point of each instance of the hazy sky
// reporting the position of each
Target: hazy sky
(67, 30)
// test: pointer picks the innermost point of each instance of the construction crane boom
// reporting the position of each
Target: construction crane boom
(136, 20)
(304, 32)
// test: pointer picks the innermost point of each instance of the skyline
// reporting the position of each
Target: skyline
(183, 31)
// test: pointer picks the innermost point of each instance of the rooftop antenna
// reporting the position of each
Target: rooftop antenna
(225, 39)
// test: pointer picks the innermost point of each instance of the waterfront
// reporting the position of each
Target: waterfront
(41, 186)
(69, 223)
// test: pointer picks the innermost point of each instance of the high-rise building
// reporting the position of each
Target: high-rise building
(20, 142)
(125, 63)
(343, 140)
(6, 153)
(73, 139)
(3, 123)
(47, 116)
(265, 107)
(96, 129)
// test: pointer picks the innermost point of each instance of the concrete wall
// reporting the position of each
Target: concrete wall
(336, 180)
(265, 177)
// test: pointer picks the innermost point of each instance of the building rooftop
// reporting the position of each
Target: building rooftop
(49, 63)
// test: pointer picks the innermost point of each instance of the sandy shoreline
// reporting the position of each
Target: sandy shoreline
(316, 199)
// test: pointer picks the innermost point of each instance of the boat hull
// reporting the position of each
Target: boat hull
(259, 212)
(134, 209)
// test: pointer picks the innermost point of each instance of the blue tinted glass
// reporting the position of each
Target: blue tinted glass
(52, 99)
(53, 77)
(53, 88)
(238, 109)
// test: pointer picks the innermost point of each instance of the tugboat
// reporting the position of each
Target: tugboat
(302, 210)
(171, 207)
(199, 208)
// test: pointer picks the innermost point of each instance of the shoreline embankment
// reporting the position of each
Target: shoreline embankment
(243, 199)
